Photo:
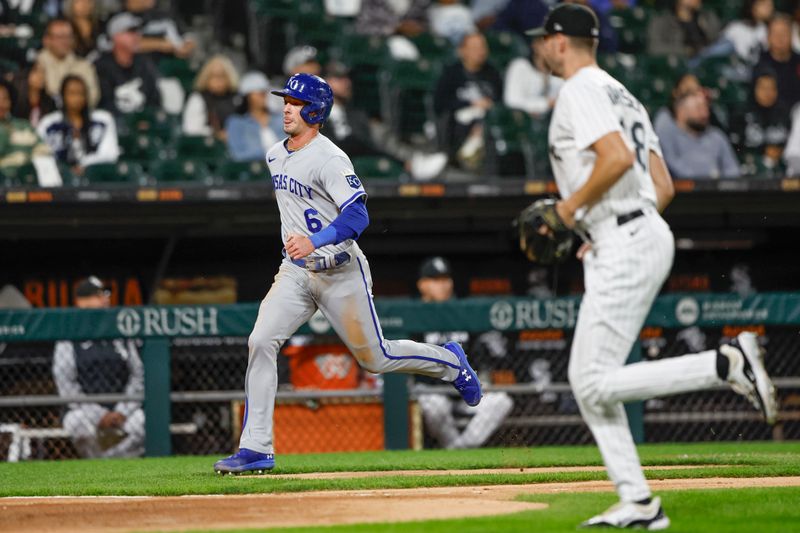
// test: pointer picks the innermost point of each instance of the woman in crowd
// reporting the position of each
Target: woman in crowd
(213, 99)
(762, 130)
(78, 135)
(249, 134)
(82, 14)
(748, 34)
(33, 102)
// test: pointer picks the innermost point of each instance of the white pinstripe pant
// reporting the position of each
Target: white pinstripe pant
(623, 274)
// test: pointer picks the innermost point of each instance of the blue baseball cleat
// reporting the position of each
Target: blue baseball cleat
(245, 461)
(467, 382)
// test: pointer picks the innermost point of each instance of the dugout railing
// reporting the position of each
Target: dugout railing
(195, 356)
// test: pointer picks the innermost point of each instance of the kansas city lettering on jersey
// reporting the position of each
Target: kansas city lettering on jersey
(282, 182)
(620, 96)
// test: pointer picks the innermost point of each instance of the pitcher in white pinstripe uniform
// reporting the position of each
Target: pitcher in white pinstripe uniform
(613, 183)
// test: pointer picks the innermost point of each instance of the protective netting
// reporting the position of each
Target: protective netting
(528, 401)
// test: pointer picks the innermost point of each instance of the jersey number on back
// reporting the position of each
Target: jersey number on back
(313, 224)
(636, 133)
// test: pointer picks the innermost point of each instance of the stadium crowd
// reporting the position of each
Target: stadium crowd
(137, 90)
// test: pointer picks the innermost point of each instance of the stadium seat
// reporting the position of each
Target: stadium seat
(180, 171)
(434, 48)
(365, 55)
(174, 67)
(631, 27)
(142, 147)
(122, 172)
(376, 167)
(203, 148)
(154, 122)
(508, 149)
(505, 46)
(243, 171)
(407, 95)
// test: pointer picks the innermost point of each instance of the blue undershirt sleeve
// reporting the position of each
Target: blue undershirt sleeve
(350, 223)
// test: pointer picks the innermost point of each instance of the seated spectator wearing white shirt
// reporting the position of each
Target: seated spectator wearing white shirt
(78, 135)
(213, 99)
(528, 86)
(249, 134)
(748, 34)
(692, 148)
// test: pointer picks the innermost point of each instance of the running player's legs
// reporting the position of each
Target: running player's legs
(287, 305)
(623, 276)
(345, 298)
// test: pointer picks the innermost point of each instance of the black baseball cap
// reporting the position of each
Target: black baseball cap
(574, 20)
(435, 267)
(91, 286)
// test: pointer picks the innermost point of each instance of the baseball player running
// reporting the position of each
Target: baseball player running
(323, 211)
(613, 182)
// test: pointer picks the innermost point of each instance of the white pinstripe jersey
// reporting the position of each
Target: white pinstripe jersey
(312, 186)
(590, 105)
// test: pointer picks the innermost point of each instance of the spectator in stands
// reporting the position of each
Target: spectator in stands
(58, 60)
(763, 129)
(521, 15)
(78, 135)
(33, 102)
(213, 99)
(379, 17)
(450, 19)
(684, 30)
(129, 79)
(484, 12)
(684, 85)
(693, 148)
(791, 154)
(248, 132)
(352, 131)
(780, 58)
(302, 59)
(466, 90)
(796, 27)
(19, 143)
(606, 6)
(528, 84)
(85, 21)
(100, 367)
(748, 34)
(160, 34)
(439, 411)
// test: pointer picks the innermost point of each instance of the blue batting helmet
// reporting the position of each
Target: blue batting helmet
(312, 90)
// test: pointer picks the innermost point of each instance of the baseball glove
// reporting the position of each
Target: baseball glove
(543, 236)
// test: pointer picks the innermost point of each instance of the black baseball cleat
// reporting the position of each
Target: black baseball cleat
(632, 515)
(747, 374)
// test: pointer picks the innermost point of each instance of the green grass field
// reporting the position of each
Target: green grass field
(751, 509)
(173, 476)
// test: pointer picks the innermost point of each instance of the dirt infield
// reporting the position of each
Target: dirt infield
(117, 514)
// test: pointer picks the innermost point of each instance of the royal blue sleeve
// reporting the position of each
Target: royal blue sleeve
(350, 223)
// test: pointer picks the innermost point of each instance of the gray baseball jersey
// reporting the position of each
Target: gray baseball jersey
(631, 255)
(312, 186)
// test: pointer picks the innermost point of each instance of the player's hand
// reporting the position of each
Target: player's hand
(584, 249)
(567, 215)
(111, 419)
(298, 246)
